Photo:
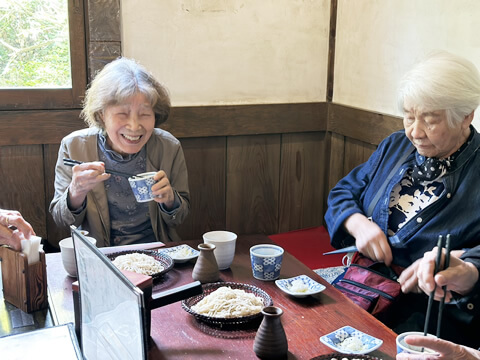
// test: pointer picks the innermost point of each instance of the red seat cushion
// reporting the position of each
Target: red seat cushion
(308, 246)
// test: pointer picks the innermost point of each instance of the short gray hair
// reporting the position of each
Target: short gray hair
(119, 80)
(442, 81)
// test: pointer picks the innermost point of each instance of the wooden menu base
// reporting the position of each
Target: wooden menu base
(24, 285)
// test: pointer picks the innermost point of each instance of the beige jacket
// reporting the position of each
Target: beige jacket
(164, 152)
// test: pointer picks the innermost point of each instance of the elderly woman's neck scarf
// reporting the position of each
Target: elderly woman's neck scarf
(432, 168)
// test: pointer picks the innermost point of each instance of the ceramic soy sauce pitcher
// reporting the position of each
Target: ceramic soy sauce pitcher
(206, 267)
(270, 340)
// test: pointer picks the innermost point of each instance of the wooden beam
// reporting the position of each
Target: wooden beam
(37, 127)
(331, 49)
(200, 121)
(362, 125)
(49, 127)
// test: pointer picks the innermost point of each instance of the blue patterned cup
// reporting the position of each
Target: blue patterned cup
(141, 186)
(266, 261)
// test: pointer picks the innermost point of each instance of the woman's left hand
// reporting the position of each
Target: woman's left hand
(369, 238)
(162, 190)
(408, 278)
(446, 350)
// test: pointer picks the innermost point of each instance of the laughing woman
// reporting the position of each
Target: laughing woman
(123, 107)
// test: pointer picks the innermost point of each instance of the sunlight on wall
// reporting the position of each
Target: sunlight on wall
(230, 51)
(375, 49)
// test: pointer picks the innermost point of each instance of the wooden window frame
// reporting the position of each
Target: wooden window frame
(68, 98)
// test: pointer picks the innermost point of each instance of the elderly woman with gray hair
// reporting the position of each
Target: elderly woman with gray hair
(427, 180)
(123, 107)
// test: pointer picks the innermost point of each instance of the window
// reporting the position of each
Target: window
(42, 54)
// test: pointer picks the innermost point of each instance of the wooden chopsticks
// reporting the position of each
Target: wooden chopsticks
(440, 246)
(70, 162)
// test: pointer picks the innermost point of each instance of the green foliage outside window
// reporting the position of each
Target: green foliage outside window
(34, 44)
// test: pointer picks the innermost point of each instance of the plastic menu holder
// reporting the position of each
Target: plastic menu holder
(112, 309)
(57, 342)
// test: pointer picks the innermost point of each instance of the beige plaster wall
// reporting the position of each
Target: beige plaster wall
(378, 40)
(211, 52)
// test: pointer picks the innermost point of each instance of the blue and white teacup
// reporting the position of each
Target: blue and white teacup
(266, 261)
(141, 185)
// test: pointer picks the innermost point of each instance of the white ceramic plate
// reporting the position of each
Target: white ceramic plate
(181, 253)
(348, 340)
(311, 286)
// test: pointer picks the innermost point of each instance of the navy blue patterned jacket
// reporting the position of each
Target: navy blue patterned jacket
(456, 212)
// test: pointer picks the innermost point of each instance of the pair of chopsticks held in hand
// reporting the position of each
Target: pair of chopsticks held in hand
(70, 162)
(440, 245)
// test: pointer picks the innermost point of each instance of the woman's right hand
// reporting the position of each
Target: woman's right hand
(13, 229)
(84, 178)
(369, 238)
(460, 276)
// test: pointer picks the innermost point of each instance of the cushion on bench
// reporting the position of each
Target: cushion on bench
(308, 246)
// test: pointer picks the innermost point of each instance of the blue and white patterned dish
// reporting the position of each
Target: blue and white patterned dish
(337, 341)
(313, 287)
(181, 253)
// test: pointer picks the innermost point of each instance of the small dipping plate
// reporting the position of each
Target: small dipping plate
(181, 253)
(305, 285)
(348, 340)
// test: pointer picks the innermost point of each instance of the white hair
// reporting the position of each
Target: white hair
(442, 81)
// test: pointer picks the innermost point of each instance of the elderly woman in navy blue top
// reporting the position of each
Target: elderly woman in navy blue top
(427, 174)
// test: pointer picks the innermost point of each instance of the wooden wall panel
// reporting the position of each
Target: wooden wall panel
(302, 178)
(55, 233)
(336, 161)
(253, 168)
(206, 160)
(361, 125)
(23, 184)
(356, 153)
(274, 177)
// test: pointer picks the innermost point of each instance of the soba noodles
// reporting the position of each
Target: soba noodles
(226, 302)
(139, 263)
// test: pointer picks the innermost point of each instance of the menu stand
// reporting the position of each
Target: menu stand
(143, 282)
(152, 301)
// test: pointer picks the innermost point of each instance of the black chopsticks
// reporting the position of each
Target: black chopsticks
(442, 301)
(440, 246)
(70, 162)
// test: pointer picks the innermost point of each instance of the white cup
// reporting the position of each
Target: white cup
(224, 242)
(403, 347)
(68, 255)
